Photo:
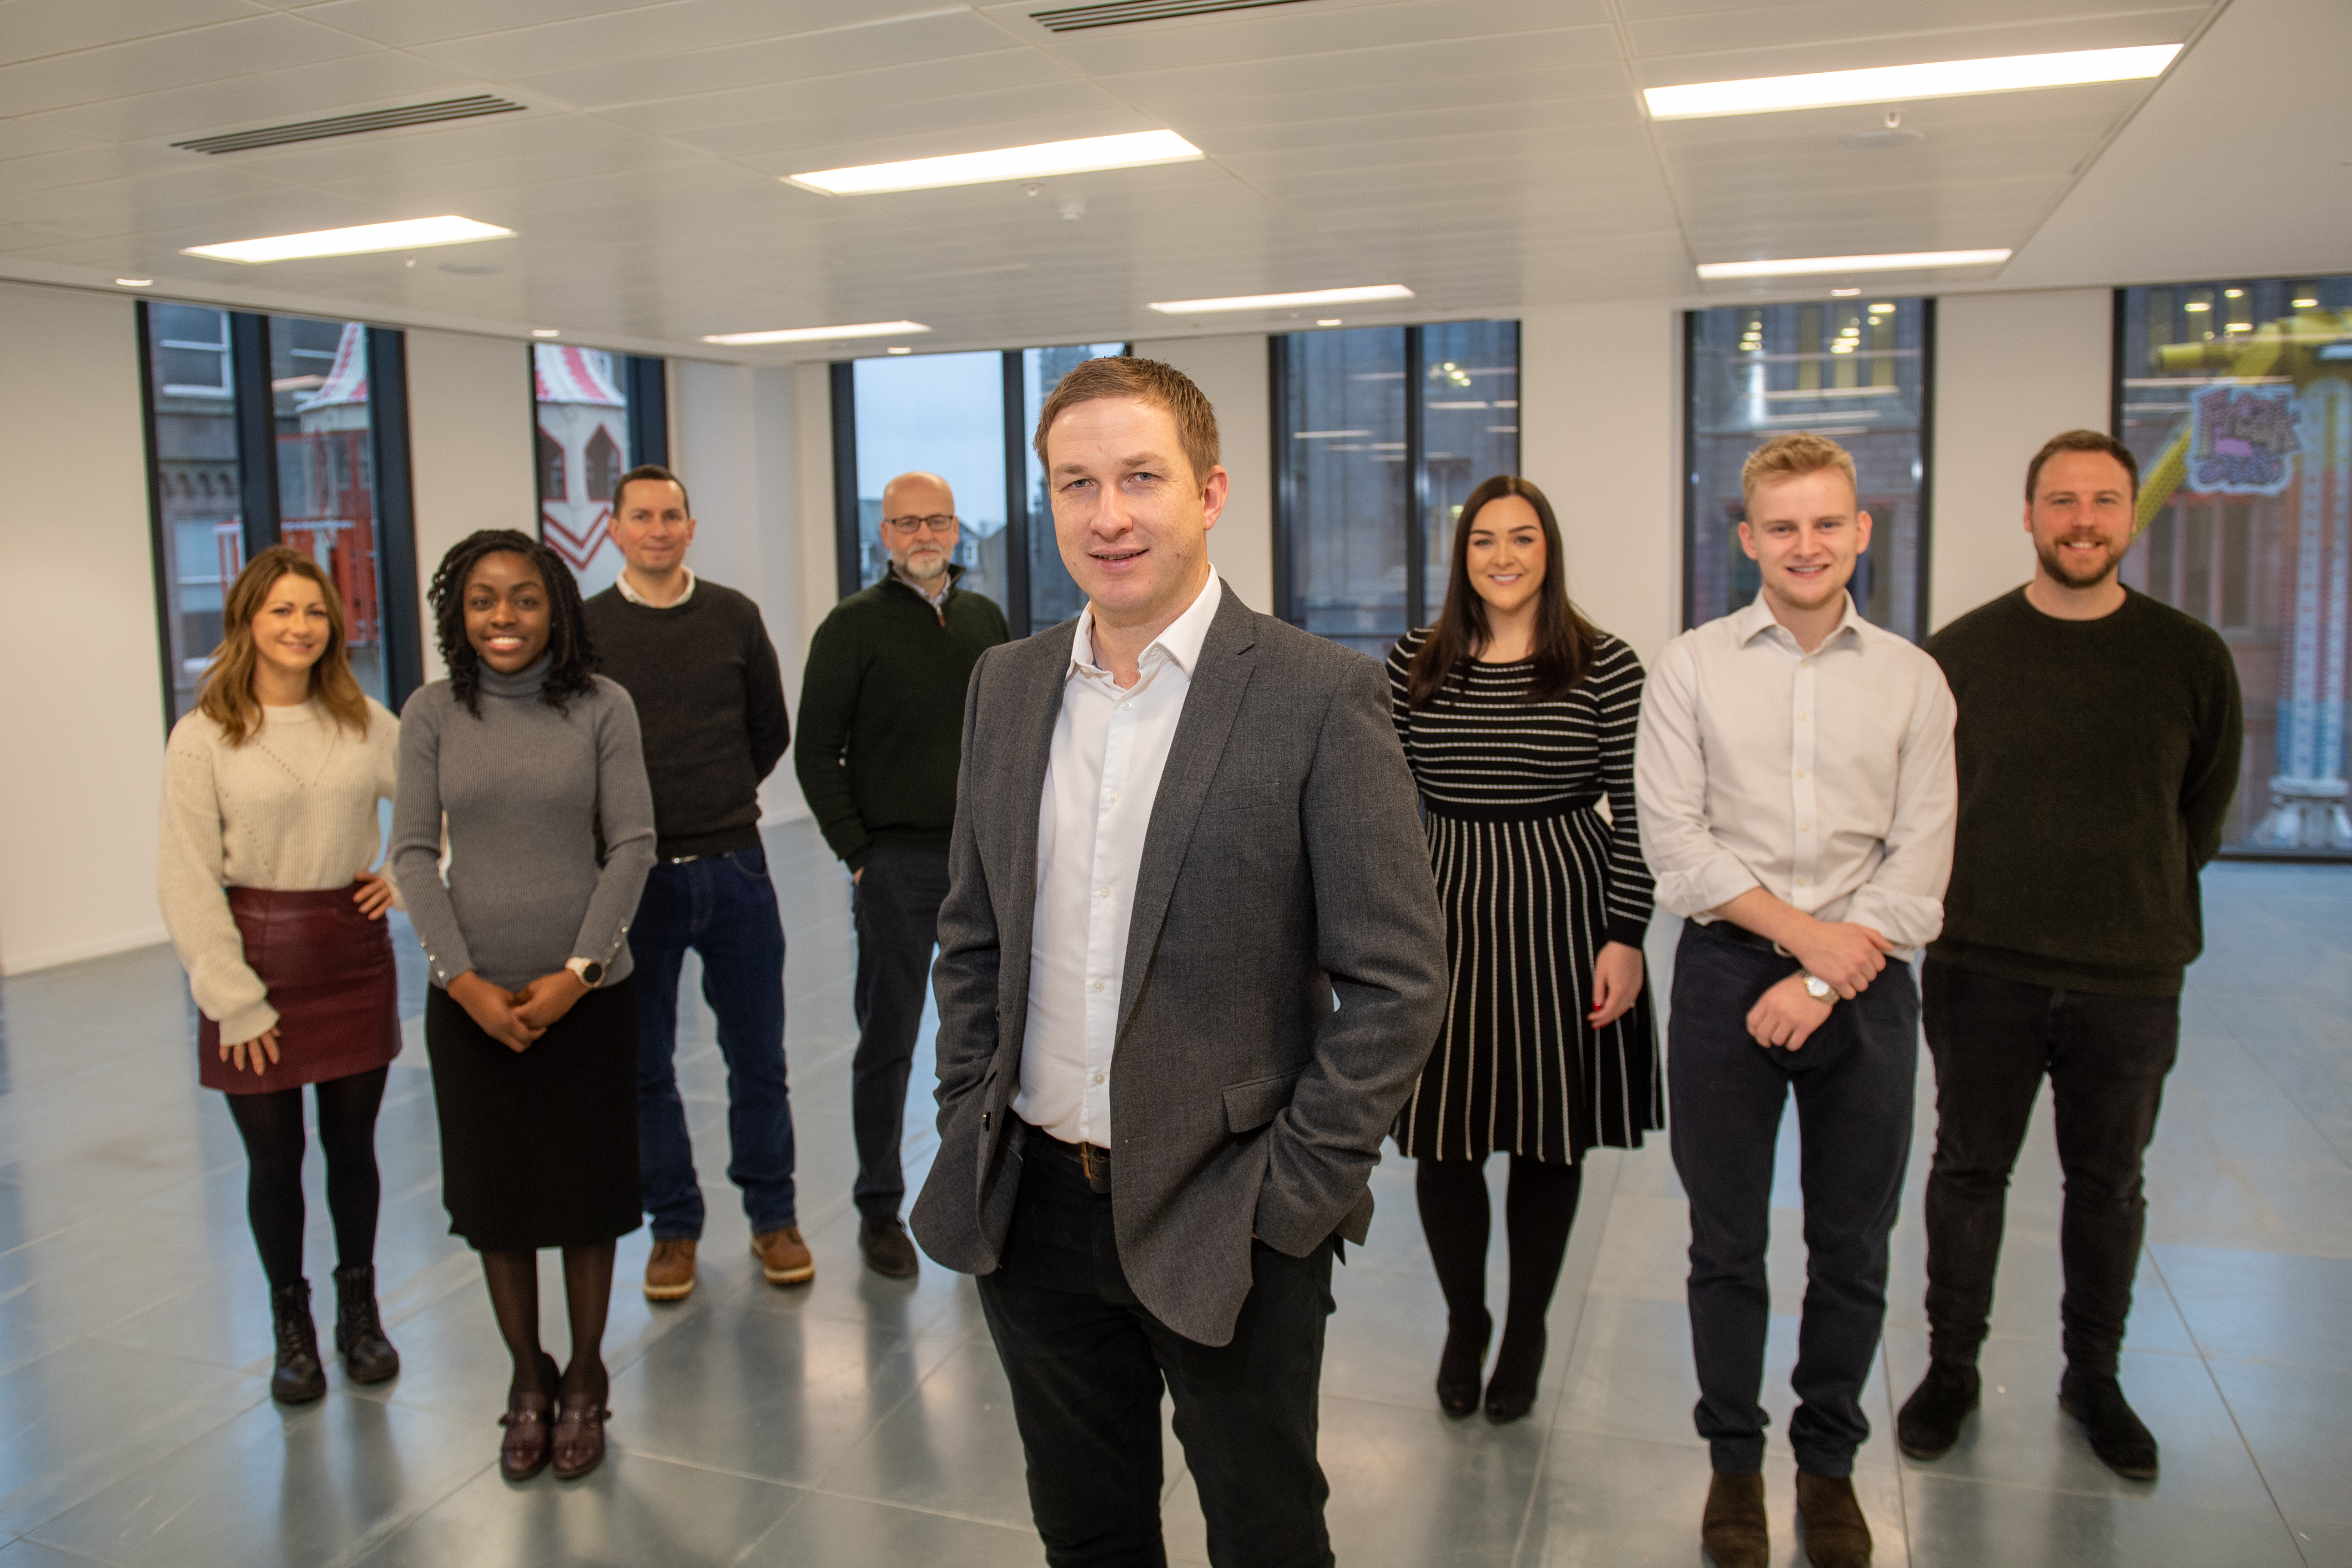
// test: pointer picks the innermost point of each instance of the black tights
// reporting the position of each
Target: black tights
(1537, 1211)
(271, 1126)
(513, 1279)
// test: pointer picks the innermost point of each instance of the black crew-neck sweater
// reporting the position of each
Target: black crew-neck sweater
(881, 727)
(710, 702)
(2096, 764)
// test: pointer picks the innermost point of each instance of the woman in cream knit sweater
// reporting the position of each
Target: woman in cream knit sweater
(269, 827)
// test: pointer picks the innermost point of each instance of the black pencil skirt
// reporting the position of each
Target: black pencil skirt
(538, 1147)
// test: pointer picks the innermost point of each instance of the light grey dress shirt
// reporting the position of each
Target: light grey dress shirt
(1825, 778)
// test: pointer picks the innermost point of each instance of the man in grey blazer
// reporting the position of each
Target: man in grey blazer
(1190, 964)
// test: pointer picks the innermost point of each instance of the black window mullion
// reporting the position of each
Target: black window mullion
(257, 430)
(1018, 612)
(395, 514)
(160, 554)
(1286, 488)
(646, 385)
(1926, 505)
(1416, 567)
(849, 536)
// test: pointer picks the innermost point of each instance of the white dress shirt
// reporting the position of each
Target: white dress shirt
(1825, 778)
(1102, 773)
(631, 595)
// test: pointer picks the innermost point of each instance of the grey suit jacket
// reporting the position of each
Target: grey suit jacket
(1284, 869)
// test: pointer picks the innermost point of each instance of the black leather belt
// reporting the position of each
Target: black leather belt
(1728, 931)
(1092, 1159)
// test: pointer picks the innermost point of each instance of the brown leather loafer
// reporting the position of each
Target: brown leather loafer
(1733, 1530)
(783, 1256)
(1836, 1535)
(669, 1271)
(579, 1442)
(523, 1451)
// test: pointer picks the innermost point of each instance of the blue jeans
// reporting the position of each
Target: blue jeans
(724, 908)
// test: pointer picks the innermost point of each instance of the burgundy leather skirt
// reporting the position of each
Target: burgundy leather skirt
(330, 975)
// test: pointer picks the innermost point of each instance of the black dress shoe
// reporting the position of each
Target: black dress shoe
(2120, 1439)
(1929, 1422)
(1459, 1366)
(297, 1379)
(888, 1250)
(1519, 1368)
(367, 1355)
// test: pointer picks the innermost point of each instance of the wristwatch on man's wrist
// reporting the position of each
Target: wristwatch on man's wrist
(591, 972)
(1819, 989)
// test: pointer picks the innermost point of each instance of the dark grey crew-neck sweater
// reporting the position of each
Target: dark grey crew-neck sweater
(526, 791)
(2096, 764)
(710, 704)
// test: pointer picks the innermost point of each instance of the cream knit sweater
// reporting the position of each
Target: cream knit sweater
(293, 809)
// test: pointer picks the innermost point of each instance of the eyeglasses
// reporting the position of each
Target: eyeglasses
(907, 527)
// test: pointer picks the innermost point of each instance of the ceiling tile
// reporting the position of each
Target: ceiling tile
(850, 114)
(1927, 29)
(380, 79)
(1858, 54)
(1583, 59)
(402, 23)
(1256, 37)
(37, 28)
(591, 42)
(1504, 124)
(210, 53)
(1001, 68)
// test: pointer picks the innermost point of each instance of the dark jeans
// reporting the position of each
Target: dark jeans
(1853, 1080)
(2106, 1056)
(896, 901)
(1086, 1363)
(724, 908)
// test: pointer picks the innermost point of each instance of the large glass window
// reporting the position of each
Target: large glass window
(1382, 432)
(583, 447)
(966, 417)
(2236, 396)
(1856, 371)
(198, 483)
(326, 473)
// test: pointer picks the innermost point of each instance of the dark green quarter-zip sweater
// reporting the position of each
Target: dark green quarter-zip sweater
(881, 717)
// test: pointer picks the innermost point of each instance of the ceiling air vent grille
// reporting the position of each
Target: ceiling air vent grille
(1117, 13)
(353, 124)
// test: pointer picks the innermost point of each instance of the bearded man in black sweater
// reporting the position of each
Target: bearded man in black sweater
(2098, 745)
(696, 659)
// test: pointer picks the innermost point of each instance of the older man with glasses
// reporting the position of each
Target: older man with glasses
(880, 729)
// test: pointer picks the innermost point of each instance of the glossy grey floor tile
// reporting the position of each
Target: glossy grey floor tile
(857, 1420)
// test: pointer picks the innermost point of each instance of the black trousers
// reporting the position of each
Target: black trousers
(1088, 1361)
(2106, 1056)
(896, 905)
(1853, 1080)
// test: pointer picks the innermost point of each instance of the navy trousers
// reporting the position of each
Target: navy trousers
(1853, 1082)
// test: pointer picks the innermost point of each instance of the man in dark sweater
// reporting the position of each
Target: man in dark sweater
(696, 660)
(2098, 738)
(881, 728)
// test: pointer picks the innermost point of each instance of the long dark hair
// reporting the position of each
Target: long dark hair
(572, 672)
(1564, 639)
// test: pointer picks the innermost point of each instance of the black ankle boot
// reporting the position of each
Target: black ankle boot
(299, 1378)
(367, 1355)
(1929, 1422)
(1518, 1366)
(2118, 1435)
(1458, 1367)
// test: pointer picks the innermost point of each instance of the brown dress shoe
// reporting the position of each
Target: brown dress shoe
(1836, 1535)
(669, 1273)
(783, 1256)
(1733, 1531)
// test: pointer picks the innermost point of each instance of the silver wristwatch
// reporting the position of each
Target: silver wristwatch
(1819, 989)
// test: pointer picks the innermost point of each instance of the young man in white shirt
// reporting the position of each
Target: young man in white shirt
(1794, 770)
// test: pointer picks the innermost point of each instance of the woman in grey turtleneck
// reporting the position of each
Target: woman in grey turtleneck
(532, 762)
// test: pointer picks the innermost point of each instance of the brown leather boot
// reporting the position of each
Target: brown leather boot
(1836, 1535)
(669, 1271)
(783, 1256)
(1733, 1531)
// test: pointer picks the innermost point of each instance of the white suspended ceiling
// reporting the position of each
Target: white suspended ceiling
(1491, 154)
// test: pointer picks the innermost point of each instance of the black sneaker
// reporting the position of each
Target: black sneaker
(888, 1250)
(1929, 1422)
(2120, 1438)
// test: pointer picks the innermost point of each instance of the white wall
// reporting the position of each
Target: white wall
(2011, 371)
(1232, 373)
(83, 703)
(1598, 430)
(470, 449)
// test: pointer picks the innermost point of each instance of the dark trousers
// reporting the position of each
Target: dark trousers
(2106, 1056)
(1086, 1363)
(896, 902)
(1853, 1080)
(724, 908)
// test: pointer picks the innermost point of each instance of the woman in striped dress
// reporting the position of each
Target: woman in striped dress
(1517, 717)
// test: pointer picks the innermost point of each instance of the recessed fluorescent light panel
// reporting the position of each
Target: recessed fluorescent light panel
(819, 334)
(1283, 301)
(1135, 151)
(1901, 84)
(1800, 267)
(144, 282)
(413, 234)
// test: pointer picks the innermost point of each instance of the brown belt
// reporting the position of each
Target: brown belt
(1091, 1159)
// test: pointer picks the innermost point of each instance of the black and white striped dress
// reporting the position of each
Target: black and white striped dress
(1534, 882)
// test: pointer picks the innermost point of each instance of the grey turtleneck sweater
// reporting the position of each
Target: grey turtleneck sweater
(528, 792)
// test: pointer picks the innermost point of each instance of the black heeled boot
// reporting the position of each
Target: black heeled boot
(297, 1378)
(1458, 1367)
(367, 1355)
